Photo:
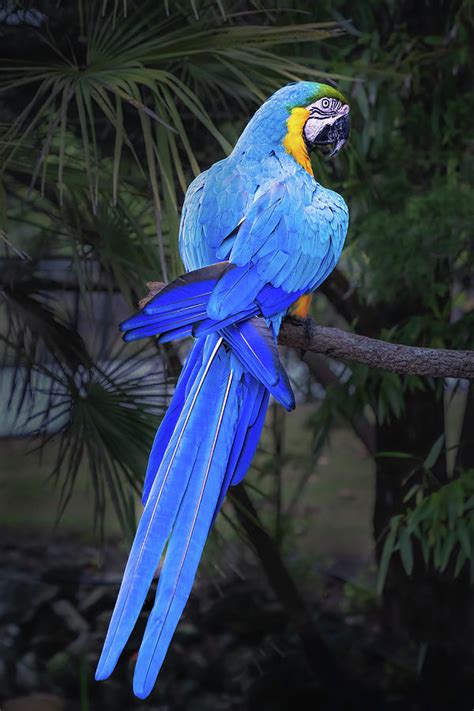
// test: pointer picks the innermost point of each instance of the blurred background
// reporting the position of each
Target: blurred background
(340, 576)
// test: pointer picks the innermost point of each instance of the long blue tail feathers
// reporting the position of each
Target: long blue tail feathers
(205, 444)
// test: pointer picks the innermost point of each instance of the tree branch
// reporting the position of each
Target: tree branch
(306, 335)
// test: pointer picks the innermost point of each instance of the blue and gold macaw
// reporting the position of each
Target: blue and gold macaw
(258, 233)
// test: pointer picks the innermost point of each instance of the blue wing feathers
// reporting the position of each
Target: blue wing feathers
(273, 300)
(162, 326)
(254, 344)
(209, 325)
(187, 288)
(234, 292)
(255, 347)
(175, 334)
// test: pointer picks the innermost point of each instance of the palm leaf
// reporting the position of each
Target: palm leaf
(141, 60)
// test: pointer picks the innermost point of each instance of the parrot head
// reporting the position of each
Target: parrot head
(299, 117)
(327, 123)
(316, 116)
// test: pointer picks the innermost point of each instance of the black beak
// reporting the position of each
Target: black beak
(336, 134)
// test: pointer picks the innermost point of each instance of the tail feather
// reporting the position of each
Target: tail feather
(254, 344)
(204, 445)
(187, 540)
(168, 423)
(253, 402)
(160, 513)
(251, 441)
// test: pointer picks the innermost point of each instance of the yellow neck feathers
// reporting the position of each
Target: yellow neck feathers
(294, 142)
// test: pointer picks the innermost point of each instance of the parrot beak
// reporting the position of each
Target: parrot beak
(339, 143)
(335, 134)
(342, 128)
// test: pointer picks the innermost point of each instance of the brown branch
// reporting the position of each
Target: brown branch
(306, 335)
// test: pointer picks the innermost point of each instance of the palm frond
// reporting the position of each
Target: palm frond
(101, 414)
(144, 66)
(109, 414)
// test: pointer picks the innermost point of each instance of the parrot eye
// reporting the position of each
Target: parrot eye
(325, 103)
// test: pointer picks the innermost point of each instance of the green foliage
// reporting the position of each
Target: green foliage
(360, 389)
(409, 174)
(407, 248)
(110, 417)
(102, 412)
(408, 177)
(440, 524)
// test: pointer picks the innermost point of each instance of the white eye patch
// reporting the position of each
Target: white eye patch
(324, 108)
(322, 113)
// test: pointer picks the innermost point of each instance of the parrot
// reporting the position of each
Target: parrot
(257, 235)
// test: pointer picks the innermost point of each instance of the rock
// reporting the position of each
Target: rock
(56, 627)
(21, 596)
(98, 599)
(245, 613)
(80, 645)
(187, 632)
(354, 620)
(70, 616)
(9, 641)
(207, 702)
(102, 621)
(114, 695)
(27, 676)
(5, 678)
